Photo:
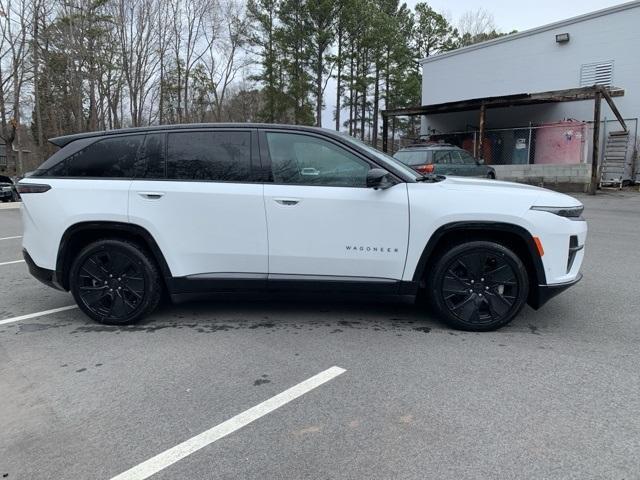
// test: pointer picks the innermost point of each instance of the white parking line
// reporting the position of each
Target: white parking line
(12, 262)
(11, 238)
(184, 449)
(37, 314)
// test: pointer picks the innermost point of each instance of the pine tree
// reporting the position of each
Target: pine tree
(264, 16)
(291, 35)
(323, 21)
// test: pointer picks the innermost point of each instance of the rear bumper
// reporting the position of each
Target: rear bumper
(545, 293)
(45, 275)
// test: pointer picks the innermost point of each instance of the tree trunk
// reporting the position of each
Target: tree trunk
(339, 79)
(363, 105)
(351, 90)
(319, 98)
(376, 99)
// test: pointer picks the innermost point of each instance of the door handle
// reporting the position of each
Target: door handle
(289, 202)
(151, 195)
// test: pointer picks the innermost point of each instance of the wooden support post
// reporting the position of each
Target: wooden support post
(483, 111)
(613, 107)
(385, 133)
(596, 143)
(393, 136)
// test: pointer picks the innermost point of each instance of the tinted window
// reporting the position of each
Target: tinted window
(442, 157)
(109, 158)
(151, 161)
(215, 156)
(467, 158)
(456, 159)
(306, 160)
(414, 157)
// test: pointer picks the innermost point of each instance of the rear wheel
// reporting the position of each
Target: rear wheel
(479, 286)
(115, 282)
(491, 175)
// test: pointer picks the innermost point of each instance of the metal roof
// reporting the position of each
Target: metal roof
(554, 96)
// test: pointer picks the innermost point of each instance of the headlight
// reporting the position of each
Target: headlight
(572, 213)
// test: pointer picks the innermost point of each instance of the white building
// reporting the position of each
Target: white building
(599, 48)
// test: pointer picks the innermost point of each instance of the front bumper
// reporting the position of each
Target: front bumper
(44, 275)
(544, 293)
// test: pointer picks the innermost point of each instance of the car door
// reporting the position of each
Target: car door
(444, 163)
(459, 166)
(471, 165)
(201, 202)
(324, 224)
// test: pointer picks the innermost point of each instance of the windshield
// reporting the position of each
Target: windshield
(382, 156)
(414, 157)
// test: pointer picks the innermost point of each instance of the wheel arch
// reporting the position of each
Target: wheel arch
(81, 234)
(513, 236)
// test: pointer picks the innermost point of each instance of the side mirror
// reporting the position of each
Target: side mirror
(480, 161)
(378, 178)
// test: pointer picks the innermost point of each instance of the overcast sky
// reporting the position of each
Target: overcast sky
(521, 15)
(508, 15)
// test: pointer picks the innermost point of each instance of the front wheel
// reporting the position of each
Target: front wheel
(478, 286)
(115, 282)
(491, 176)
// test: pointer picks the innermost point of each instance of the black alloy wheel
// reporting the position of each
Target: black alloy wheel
(479, 286)
(115, 282)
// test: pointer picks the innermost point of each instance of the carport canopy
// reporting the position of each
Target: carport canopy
(595, 92)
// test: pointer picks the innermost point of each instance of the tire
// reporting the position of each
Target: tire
(115, 282)
(491, 176)
(478, 286)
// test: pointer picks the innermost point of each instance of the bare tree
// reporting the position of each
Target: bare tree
(13, 72)
(226, 58)
(189, 44)
(136, 24)
(476, 22)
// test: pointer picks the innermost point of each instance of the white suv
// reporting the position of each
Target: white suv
(120, 217)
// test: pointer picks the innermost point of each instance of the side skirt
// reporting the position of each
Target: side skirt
(263, 286)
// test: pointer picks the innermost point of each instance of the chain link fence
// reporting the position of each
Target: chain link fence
(559, 143)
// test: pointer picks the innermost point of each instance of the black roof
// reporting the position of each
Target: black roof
(67, 139)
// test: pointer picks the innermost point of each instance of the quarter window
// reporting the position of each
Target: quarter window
(306, 160)
(209, 156)
(108, 158)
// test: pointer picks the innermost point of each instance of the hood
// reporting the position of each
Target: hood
(538, 196)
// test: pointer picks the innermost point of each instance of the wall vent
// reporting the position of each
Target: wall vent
(600, 73)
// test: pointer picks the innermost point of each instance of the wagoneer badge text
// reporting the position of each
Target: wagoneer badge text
(371, 249)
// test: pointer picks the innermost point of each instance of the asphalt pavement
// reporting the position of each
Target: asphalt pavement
(556, 394)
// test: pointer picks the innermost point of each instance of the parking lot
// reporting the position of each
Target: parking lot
(556, 394)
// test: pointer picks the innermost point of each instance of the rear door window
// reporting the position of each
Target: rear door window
(456, 159)
(209, 156)
(414, 157)
(467, 158)
(108, 158)
(151, 161)
(442, 157)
